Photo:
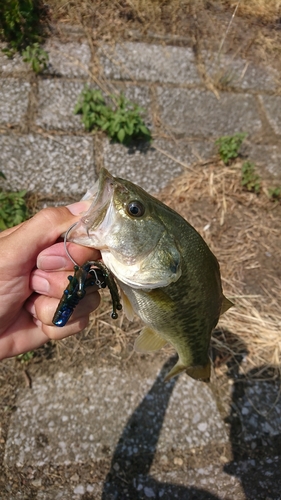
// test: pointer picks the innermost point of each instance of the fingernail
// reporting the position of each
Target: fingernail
(52, 262)
(40, 285)
(30, 307)
(78, 208)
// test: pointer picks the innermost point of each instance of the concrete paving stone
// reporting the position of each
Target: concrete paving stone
(272, 106)
(260, 410)
(148, 167)
(208, 483)
(251, 479)
(13, 100)
(145, 62)
(75, 492)
(240, 73)
(260, 477)
(139, 95)
(195, 112)
(69, 419)
(10, 65)
(268, 158)
(46, 164)
(204, 483)
(69, 59)
(57, 99)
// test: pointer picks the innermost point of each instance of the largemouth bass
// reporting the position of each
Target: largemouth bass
(166, 272)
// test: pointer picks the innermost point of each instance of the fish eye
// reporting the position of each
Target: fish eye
(135, 208)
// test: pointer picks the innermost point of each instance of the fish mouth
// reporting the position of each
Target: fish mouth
(101, 195)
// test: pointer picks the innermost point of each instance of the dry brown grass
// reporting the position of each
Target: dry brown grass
(252, 32)
(267, 10)
(161, 16)
(111, 19)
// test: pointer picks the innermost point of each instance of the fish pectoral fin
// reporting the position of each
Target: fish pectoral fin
(127, 306)
(202, 373)
(226, 304)
(148, 341)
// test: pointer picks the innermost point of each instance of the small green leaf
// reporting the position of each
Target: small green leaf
(121, 135)
(229, 146)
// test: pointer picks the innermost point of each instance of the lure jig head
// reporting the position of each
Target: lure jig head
(89, 274)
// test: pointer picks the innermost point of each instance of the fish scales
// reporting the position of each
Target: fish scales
(166, 272)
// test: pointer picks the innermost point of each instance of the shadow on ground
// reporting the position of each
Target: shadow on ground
(129, 473)
(256, 461)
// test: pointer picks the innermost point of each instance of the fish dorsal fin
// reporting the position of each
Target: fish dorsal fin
(127, 306)
(149, 340)
(226, 304)
(202, 373)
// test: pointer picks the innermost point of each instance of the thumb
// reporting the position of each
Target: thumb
(42, 230)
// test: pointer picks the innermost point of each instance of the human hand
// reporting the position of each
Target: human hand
(33, 275)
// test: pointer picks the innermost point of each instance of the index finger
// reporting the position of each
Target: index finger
(55, 258)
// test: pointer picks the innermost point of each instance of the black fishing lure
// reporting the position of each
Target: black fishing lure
(85, 276)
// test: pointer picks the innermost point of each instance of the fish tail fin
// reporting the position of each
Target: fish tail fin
(226, 304)
(202, 373)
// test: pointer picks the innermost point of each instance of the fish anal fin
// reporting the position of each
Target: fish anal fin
(202, 373)
(148, 341)
(226, 304)
(176, 370)
(127, 306)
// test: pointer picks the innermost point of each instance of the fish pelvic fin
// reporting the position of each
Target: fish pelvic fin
(226, 304)
(201, 373)
(127, 306)
(149, 341)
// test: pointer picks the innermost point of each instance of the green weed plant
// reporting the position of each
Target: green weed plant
(26, 357)
(274, 193)
(122, 122)
(21, 28)
(229, 146)
(250, 180)
(13, 208)
(36, 57)
(20, 23)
